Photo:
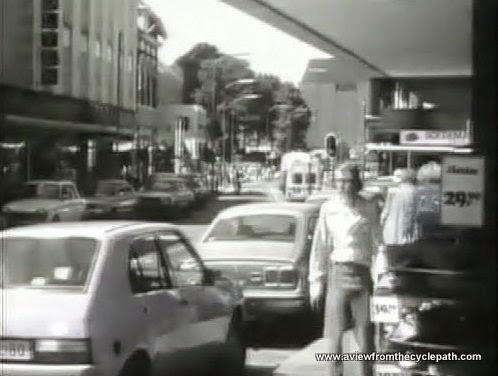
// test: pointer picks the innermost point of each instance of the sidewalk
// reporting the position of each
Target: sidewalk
(304, 363)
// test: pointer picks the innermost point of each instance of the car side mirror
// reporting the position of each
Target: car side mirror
(211, 276)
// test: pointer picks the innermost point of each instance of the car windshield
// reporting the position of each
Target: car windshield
(46, 263)
(297, 178)
(162, 185)
(44, 190)
(105, 188)
(274, 227)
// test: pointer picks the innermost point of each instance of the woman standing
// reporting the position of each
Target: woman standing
(398, 217)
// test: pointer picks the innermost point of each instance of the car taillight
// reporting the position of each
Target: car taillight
(62, 351)
(281, 276)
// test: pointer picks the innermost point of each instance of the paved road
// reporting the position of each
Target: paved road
(276, 341)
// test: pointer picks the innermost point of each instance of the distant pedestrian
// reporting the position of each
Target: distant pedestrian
(399, 216)
(346, 236)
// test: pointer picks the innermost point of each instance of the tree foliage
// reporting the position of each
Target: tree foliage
(279, 109)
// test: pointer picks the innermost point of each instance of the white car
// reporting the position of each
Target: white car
(45, 201)
(113, 299)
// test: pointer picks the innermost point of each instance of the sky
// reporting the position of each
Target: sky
(268, 50)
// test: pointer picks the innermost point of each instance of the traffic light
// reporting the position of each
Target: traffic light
(49, 51)
(331, 144)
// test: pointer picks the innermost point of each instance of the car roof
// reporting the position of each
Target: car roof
(115, 181)
(271, 207)
(50, 181)
(91, 229)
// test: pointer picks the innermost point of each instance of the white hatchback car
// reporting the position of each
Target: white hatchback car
(113, 299)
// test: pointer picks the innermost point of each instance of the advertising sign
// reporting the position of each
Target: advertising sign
(462, 201)
(435, 137)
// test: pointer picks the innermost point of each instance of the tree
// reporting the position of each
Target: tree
(190, 64)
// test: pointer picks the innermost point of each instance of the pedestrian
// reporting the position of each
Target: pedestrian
(398, 218)
(346, 235)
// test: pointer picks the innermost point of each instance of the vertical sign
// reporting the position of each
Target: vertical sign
(462, 191)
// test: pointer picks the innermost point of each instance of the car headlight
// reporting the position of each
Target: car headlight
(63, 351)
(6, 209)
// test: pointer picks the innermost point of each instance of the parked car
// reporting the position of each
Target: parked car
(45, 201)
(265, 248)
(113, 199)
(114, 298)
(163, 195)
(197, 184)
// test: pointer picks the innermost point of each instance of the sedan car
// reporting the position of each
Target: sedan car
(197, 184)
(44, 201)
(164, 195)
(112, 299)
(265, 248)
(113, 199)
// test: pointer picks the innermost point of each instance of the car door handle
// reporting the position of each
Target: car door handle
(145, 309)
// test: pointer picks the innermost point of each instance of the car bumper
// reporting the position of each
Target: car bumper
(47, 370)
(258, 305)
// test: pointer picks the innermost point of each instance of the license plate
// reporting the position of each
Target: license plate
(384, 309)
(15, 350)
(387, 370)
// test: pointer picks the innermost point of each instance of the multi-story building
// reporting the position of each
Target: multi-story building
(67, 82)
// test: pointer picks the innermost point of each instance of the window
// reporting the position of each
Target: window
(145, 268)
(66, 37)
(186, 269)
(297, 178)
(68, 192)
(50, 191)
(41, 262)
(98, 48)
(84, 42)
(269, 227)
(108, 54)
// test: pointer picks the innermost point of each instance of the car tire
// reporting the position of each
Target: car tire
(56, 218)
(231, 361)
(138, 365)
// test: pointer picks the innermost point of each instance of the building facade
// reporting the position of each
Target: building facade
(67, 82)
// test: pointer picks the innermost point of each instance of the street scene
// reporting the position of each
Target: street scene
(246, 187)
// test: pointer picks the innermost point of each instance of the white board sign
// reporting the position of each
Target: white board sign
(462, 196)
(435, 137)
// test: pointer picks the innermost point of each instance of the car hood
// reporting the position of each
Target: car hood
(109, 200)
(247, 251)
(36, 313)
(32, 204)
(155, 194)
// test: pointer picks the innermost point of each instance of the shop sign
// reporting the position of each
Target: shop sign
(435, 137)
(462, 201)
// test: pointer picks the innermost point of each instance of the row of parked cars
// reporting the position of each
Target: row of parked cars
(139, 298)
(164, 195)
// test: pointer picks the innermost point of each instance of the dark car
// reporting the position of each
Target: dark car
(113, 199)
(164, 195)
(198, 185)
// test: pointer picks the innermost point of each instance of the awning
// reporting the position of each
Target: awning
(66, 126)
(419, 149)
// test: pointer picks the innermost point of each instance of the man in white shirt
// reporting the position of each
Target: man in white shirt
(347, 233)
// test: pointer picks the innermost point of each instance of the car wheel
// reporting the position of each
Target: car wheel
(56, 218)
(138, 365)
(233, 356)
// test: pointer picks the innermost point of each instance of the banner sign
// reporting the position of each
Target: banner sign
(462, 185)
(435, 137)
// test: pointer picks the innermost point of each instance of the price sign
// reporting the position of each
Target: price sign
(462, 196)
